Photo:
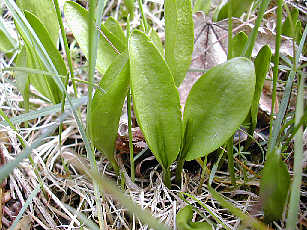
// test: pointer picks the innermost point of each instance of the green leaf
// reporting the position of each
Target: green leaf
(44, 37)
(262, 65)
(77, 17)
(216, 106)
(114, 32)
(5, 44)
(238, 44)
(286, 27)
(156, 40)
(106, 108)
(44, 84)
(184, 220)
(238, 8)
(22, 78)
(45, 11)
(179, 37)
(274, 187)
(155, 98)
(130, 6)
(202, 5)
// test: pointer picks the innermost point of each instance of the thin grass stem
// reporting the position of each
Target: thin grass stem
(130, 136)
(202, 177)
(276, 63)
(247, 51)
(298, 159)
(144, 21)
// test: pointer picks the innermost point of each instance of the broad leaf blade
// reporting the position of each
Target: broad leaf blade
(115, 28)
(179, 37)
(44, 37)
(77, 17)
(22, 78)
(238, 8)
(106, 108)
(44, 84)
(262, 65)
(238, 44)
(45, 11)
(216, 106)
(155, 98)
(274, 187)
(156, 40)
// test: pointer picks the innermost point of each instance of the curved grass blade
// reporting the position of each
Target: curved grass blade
(156, 99)
(106, 108)
(52, 109)
(226, 93)
(248, 220)
(179, 37)
(83, 218)
(6, 169)
(108, 187)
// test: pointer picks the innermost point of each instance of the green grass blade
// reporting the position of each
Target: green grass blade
(217, 218)
(144, 215)
(25, 206)
(83, 218)
(247, 51)
(286, 96)
(298, 159)
(67, 51)
(276, 63)
(248, 220)
(43, 112)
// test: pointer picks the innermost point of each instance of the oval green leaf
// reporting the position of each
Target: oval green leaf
(274, 187)
(216, 106)
(77, 17)
(45, 11)
(106, 108)
(179, 37)
(155, 98)
(184, 220)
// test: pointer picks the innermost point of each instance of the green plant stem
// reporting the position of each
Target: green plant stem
(202, 177)
(92, 47)
(286, 95)
(231, 165)
(145, 25)
(229, 55)
(67, 51)
(167, 177)
(276, 63)
(130, 136)
(247, 51)
(179, 169)
(298, 159)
